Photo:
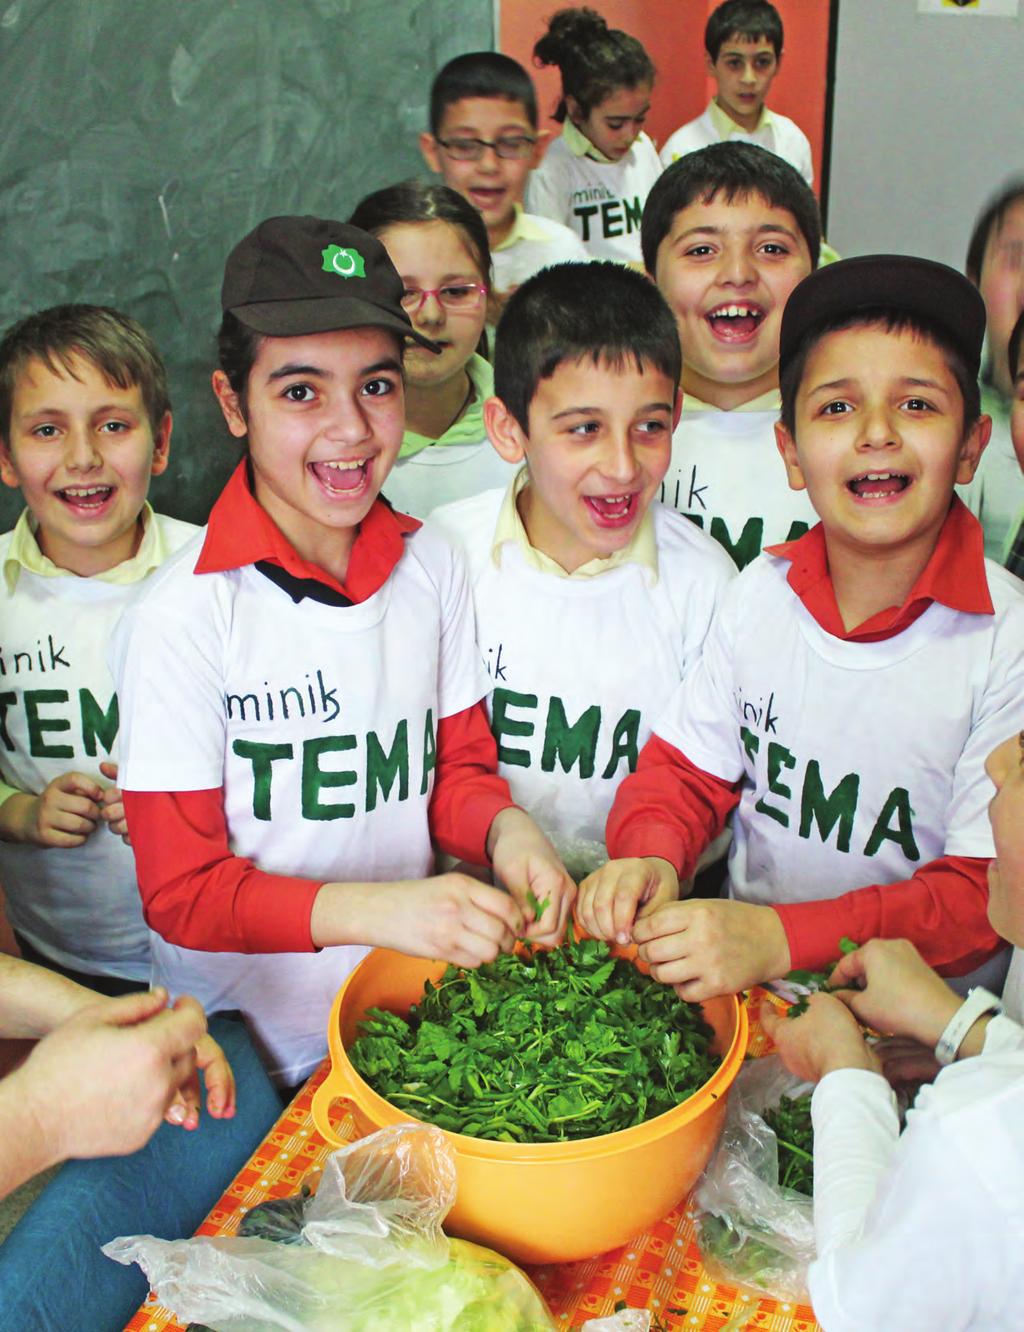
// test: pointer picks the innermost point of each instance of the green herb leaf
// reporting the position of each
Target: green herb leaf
(542, 1046)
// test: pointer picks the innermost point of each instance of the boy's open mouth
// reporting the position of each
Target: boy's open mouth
(611, 510)
(487, 196)
(342, 478)
(737, 322)
(878, 485)
(85, 497)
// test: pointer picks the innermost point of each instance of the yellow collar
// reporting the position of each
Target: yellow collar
(642, 549)
(769, 401)
(579, 145)
(524, 227)
(24, 553)
(726, 127)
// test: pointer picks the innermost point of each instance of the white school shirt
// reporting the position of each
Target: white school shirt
(726, 474)
(77, 905)
(581, 666)
(859, 762)
(924, 1232)
(776, 132)
(533, 243)
(601, 201)
(996, 494)
(319, 723)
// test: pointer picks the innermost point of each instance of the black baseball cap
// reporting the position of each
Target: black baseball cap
(295, 275)
(898, 282)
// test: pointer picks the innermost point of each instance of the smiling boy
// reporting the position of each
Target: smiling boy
(854, 680)
(727, 234)
(85, 423)
(484, 142)
(743, 50)
(592, 599)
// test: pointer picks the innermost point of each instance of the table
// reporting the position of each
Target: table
(659, 1270)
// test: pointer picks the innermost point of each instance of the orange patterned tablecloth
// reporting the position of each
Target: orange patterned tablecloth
(659, 1270)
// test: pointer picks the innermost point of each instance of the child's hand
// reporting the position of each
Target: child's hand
(524, 860)
(64, 814)
(450, 916)
(820, 1040)
(112, 812)
(220, 1083)
(894, 990)
(708, 947)
(620, 892)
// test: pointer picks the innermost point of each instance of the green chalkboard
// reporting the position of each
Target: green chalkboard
(143, 138)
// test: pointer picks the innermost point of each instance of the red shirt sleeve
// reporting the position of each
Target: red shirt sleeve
(468, 793)
(668, 808)
(943, 909)
(197, 894)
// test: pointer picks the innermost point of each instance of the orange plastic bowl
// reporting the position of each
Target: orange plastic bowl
(552, 1201)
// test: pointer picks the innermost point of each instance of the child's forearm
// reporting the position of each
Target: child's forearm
(17, 814)
(942, 909)
(668, 808)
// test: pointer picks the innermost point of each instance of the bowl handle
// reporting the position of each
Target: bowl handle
(333, 1088)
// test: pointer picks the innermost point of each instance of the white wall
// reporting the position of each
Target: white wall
(928, 122)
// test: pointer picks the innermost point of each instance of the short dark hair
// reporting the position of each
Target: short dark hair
(892, 320)
(1015, 347)
(747, 19)
(481, 74)
(735, 170)
(600, 311)
(116, 344)
(990, 219)
(593, 59)
(423, 201)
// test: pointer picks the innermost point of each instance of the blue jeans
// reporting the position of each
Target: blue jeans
(53, 1277)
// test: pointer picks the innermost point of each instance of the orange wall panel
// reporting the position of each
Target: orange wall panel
(673, 33)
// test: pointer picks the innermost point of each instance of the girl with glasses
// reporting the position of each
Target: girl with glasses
(438, 242)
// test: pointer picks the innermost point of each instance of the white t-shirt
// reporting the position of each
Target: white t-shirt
(726, 474)
(581, 667)
(534, 243)
(602, 202)
(859, 762)
(445, 473)
(777, 133)
(319, 723)
(923, 1231)
(58, 713)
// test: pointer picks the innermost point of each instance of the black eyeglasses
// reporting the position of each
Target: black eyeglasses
(512, 146)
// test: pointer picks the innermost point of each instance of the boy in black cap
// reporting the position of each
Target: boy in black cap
(300, 692)
(855, 679)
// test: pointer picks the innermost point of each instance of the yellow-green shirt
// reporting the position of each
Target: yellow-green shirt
(642, 548)
(24, 553)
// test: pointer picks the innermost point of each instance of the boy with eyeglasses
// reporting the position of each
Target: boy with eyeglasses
(484, 142)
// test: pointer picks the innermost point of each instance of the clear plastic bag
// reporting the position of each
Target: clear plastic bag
(370, 1256)
(751, 1231)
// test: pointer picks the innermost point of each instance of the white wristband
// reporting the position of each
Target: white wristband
(979, 1001)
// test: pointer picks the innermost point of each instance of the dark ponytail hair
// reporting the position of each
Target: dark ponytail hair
(594, 59)
(417, 201)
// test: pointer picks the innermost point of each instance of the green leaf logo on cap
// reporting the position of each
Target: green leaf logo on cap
(345, 262)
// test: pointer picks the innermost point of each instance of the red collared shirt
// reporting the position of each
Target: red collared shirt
(195, 892)
(954, 575)
(943, 906)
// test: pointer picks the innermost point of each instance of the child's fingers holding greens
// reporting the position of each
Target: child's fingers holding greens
(706, 948)
(823, 1038)
(609, 899)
